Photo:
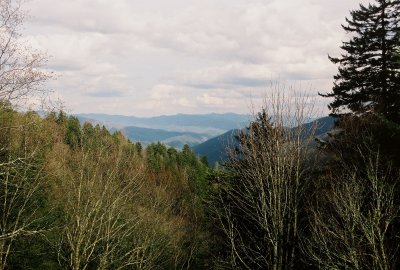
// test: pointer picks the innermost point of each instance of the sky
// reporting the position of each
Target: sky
(153, 57)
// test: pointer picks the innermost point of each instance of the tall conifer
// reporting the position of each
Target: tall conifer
(368, 76)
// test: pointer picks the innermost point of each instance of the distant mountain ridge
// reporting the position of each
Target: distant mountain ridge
(213, 123)
(172, 130)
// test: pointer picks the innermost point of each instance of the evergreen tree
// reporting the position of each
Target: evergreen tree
(368, 78)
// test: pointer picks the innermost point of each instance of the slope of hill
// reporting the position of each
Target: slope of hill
(215, 148)
(320, 126)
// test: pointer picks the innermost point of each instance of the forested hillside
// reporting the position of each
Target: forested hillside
(82, 197)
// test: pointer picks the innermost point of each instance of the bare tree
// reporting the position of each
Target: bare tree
(105, 224)
(21, 77)
(96, 203)
(353, 225)
(18, 188)
(21, 67)
(260, 206)
(21, 175)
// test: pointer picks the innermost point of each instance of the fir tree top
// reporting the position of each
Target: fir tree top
(368, 76)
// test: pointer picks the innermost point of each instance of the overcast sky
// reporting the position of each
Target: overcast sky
(153, 57)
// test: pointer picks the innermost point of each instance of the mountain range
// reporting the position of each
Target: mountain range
(172, 130)
(213, 123)
(209, 135)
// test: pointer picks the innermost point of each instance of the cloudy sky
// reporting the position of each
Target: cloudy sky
(152, 57)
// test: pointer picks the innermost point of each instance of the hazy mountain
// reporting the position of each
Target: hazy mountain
(171, 138)
(215, 148)
(212, 124)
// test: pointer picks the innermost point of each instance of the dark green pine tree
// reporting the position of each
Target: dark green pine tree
(368, 79)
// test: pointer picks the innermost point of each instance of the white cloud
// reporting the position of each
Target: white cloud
(162, 91)
(155, 57)
(207, 99)
(183, 102)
